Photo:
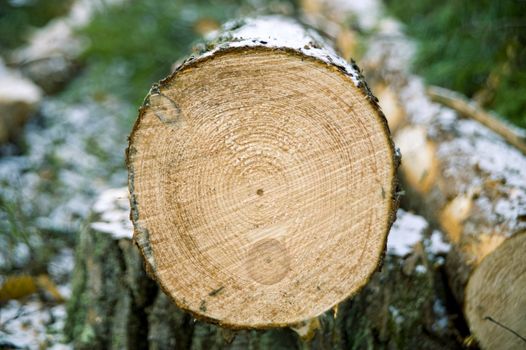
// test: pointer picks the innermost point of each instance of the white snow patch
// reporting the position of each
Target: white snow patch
(33, 325)
(390, 49)
(62, 264)
(501, 161)
(418, 107)
(440, 260)
(366, 12)
(16, 89)
(21, 254)
(111, 199)
(407, 230)
(118, 229)
(279, 32)
(437, 244)
(440, 311)
(475, 146)
(113, 208)
(390, 26)
(421, 269)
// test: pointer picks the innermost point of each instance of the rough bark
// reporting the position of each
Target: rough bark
(262, 178)
(114, 305)
(465, 177)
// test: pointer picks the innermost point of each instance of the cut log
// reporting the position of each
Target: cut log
(262, 178)
(114, 305)
(470, 181)
(515, 136)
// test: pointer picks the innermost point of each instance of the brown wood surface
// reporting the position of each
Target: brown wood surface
(470, 181)
(262, 181)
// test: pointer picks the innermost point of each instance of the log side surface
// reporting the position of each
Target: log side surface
(467, 179)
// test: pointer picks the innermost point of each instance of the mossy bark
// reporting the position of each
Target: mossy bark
(115, 305)
(110, 296)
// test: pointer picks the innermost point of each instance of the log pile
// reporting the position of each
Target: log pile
(466, 178)
(463, 177)
(115, 305)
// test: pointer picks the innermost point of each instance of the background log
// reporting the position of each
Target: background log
(114, 304)
(513, 135)
(262, 178)
(468, 180)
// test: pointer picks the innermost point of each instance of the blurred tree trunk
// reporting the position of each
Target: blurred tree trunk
(115, 304)
(468, 180)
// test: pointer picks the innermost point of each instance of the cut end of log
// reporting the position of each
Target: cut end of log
(265, 180)
(495, 297)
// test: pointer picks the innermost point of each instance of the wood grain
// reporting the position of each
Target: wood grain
(262, 186)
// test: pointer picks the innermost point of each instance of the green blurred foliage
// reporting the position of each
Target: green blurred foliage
(475, 47)
(22, 246)
(19, 17)
(134, 45)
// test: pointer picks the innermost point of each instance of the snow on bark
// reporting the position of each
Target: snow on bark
(112, 208)
(278, 32)
(469, 153)
(407, 230)
(472, 154)
(410, 229)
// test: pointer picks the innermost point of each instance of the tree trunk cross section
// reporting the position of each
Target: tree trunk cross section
(262, 178)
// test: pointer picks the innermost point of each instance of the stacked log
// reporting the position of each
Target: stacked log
(115, 305)
(459, 174)
(467, 179)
